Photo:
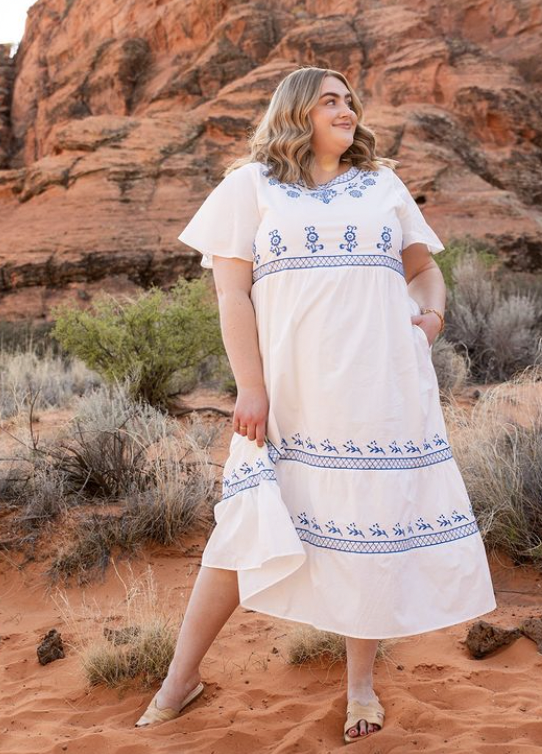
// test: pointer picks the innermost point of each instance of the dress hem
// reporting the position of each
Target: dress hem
(355, 636)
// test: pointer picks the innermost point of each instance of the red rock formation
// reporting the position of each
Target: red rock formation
(7, 73)
(123, 115)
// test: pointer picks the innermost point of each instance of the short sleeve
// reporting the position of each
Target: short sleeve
(413, 224)
(227, 221)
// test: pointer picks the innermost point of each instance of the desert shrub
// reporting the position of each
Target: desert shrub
(498, 329)
(48, 380)
(513, 282)
(161, 476)
(177, 500)
(309, 645)
(499, 452)
(133, 639)
(155, 341)
(26, 335)
(306, 644)
(450, 365)
(459, 248)
(103, 452)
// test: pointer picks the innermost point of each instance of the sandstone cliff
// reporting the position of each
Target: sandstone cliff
(118, 116)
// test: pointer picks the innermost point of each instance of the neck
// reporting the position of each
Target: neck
(326, 167)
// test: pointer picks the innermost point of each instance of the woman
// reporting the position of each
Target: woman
(342, 504)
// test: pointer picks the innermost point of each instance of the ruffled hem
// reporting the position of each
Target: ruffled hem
(273, 550)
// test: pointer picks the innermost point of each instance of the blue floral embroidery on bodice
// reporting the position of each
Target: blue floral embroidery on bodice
(312, 238)
(385, 244)
(350, 238)
(276, 240)
(353, 182)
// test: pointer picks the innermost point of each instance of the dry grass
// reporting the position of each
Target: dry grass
(451, 367)
(130, 640)
(499, 326)
(310, 645)
(118, 475)
(498, 449)
(53, 379)
(178, 501)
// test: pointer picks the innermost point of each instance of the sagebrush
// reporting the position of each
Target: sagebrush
(157, 341)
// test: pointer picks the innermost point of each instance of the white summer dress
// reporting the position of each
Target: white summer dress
(353, 517)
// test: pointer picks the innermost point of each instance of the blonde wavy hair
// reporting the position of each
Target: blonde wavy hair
(282, 140)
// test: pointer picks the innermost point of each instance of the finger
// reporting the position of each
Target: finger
(260, 434)
(251, 431)
(241, 428)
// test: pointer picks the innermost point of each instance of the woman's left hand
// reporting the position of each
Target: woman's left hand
(429, 323)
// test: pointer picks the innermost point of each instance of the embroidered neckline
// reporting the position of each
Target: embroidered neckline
(348, 175)
(353, 182)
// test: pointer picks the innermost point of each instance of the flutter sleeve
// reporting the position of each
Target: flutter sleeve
(227, 221)
(413, 224)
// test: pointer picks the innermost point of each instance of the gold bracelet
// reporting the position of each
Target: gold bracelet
(426, 309)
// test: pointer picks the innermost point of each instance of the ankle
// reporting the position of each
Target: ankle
(180, 683)
(361, 689)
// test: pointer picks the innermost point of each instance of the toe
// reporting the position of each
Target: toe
(353, 732)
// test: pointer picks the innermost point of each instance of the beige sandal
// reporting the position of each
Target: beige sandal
(154, 714)
(372, 713)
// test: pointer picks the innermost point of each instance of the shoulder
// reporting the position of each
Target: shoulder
(388, 173)
(394, 182)
(247, 173)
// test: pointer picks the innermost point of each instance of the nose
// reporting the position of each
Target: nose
(346, 111)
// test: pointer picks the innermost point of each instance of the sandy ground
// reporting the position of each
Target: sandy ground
(437, 698)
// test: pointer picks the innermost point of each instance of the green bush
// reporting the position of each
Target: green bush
(156, 342)
(457, 249)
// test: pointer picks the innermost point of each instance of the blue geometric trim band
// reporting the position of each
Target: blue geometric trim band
(367, 464)
(244, 484)
(336, 260)
(363, 463)
(382, 546)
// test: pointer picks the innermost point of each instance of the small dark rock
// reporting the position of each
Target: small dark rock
(483, 638)
(51, 647)
(532, 629)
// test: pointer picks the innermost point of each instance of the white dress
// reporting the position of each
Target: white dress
(354, 516)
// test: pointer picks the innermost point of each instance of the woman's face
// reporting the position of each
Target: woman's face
(332, 118)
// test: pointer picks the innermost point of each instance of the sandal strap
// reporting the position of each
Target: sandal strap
(373, 712)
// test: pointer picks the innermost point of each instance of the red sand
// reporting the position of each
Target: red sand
(436, 697)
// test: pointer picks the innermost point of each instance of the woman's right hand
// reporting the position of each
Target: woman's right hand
(250, 413)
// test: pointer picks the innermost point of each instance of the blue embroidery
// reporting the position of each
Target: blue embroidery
(291, 192)
(408, 535)
(330, 458)
(276, 240)
(350, 238)
(358, 541)
(324, 195)
(353, 183)
(255, 253)
(387, 546)
(229, 488)
(386, 239)
(337, 260)
(312, 238)
(332, 528)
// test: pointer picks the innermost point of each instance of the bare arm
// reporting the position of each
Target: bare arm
(426, 285)
(233, 282)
